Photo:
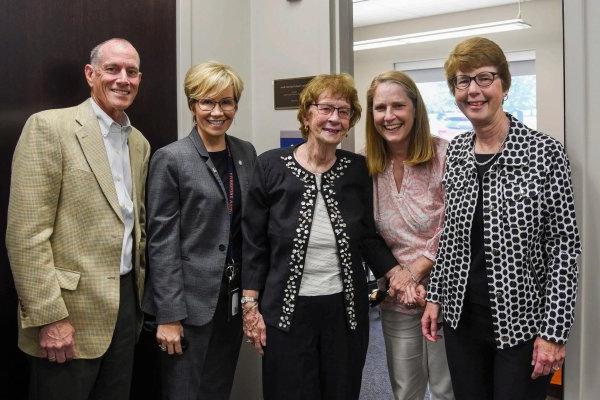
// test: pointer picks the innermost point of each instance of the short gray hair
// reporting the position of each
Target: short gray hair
(96, 53)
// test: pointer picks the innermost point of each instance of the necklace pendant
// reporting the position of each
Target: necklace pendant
(483, 164)
(494, 157)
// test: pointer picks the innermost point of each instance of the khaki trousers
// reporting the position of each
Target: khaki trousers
(413, 362)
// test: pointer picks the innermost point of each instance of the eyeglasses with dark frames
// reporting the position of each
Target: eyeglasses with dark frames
(482, 79)
(226, 104)
(328, 109)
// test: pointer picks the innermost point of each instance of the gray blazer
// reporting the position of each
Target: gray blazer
(188, 228)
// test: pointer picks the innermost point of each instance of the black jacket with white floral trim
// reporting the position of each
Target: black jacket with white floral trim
(276, 225)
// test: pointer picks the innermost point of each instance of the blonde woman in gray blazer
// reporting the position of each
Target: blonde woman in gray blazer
(196, 189)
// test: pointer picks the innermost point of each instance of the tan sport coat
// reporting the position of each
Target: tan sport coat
(65, 230)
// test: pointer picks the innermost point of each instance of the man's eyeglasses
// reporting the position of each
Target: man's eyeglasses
(482, 79)
(227, 104)
(328, 109)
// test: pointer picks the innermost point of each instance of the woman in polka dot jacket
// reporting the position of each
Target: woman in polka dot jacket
(506, 268)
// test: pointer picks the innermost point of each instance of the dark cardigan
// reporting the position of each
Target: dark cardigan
(276, 227)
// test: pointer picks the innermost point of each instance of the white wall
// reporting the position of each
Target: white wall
(289, 40)
(217, 30)
(582, 108)
(545, 37)
(262, 40)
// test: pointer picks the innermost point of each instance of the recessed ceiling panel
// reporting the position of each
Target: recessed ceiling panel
(372, 12)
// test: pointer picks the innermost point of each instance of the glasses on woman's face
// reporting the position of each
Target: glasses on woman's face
(227, 104)
(482, 79)
(328, 109)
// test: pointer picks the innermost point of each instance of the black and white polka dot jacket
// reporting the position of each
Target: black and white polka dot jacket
(530, 236)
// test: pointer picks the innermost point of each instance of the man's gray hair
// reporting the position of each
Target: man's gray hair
(96, 53)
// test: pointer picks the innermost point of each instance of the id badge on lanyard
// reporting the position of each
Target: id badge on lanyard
(232, 269)
(232, 272)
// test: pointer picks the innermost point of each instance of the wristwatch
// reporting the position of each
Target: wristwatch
(248, 299)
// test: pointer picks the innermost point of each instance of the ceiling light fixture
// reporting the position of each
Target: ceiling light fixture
(440, 34)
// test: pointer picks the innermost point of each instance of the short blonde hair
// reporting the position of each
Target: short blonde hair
(337, 85)
(209, 79)
(421, 148)
(473, 53)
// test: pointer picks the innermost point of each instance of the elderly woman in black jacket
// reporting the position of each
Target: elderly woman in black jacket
(308, 225)
(506, 270)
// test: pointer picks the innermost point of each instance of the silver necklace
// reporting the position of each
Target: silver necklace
(492, 158)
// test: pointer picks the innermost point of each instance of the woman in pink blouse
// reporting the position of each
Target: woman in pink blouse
(407, 165)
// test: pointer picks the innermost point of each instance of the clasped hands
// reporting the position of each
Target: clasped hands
(405, 287)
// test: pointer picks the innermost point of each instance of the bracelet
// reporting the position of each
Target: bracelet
(248, 299)
(412, 276)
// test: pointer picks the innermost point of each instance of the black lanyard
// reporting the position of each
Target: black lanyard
(230, 196)
(231, 184)
(231, 271)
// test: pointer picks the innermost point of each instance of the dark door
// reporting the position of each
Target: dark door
(44, 46)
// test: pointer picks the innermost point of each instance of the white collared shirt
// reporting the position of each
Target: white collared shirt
(115, 138)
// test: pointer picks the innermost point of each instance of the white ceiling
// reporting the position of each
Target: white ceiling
(371, 12)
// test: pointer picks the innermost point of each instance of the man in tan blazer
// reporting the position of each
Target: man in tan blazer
(76, 235)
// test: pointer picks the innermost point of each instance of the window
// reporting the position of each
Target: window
(445, 118)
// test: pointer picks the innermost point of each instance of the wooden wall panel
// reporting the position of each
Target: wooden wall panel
(45, 45)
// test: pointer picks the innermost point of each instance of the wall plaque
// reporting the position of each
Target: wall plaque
(286, 92)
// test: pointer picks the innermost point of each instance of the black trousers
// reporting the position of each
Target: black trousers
(104, 378)
(319, 358)
(205, 371)
(480, 371)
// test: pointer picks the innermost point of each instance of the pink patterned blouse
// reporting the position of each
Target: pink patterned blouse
(410, 219)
